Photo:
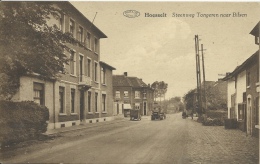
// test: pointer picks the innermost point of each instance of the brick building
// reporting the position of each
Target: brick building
(83, 93)
(131, 93)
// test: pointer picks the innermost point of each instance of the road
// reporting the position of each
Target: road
(174, 140)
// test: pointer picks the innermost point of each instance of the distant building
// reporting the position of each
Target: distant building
(84, 93)
(131, 93)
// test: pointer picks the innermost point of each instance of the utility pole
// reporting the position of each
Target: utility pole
(205, 99)
(198, 76)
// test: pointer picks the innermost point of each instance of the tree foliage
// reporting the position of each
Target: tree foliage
(214, 97)
(28, 44)
(189, 99)
(160, 88)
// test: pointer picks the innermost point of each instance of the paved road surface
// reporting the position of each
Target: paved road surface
(174, 140)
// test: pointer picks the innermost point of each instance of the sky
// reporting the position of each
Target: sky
(163, 48)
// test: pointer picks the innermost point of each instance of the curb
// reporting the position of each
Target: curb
(80, 127)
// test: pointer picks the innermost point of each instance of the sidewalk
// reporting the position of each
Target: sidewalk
(83, 126)
(215, 144)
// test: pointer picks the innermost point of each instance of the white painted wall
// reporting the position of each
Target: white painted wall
(241, 87)
(230, 91)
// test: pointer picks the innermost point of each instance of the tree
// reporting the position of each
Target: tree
(160, 88)
(28, 44)
(190, 100)
(155, 87)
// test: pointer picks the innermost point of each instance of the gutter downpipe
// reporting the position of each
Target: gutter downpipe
(54, 116)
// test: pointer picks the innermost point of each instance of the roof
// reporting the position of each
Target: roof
(208, 83)
(126, 81)
(243, 66)
(106, 65)
(67, 3)
(136, 82)
(121, 81)
(255, 30)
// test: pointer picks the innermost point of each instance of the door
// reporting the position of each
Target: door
(145, 110)
(82, 105)
(249, 116)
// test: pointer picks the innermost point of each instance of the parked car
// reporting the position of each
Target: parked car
(135, 114)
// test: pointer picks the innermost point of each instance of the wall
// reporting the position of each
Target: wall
(251, 91)
(240, 89)
(230, 91)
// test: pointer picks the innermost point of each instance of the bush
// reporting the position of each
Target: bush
(21, 121)
(217, 114)
(213, 122)
(208, 121)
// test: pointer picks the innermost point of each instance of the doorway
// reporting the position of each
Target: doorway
(145, 110)
(82, 105)
(249, 115)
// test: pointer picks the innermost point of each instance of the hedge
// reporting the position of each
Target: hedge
(208, 121)
(21, 121)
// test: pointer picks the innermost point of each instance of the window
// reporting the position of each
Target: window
(117, 94)
(38, 90)
(137, 106)
(95, 75)
(241, 111)
(72, 27)
(137, 94)
(144, 95)
(244, 97)
(61, 22)
(125, 93)
(257, 110)
(88, 40)
(81, 65)
(80, 35)
(256, 40)
(96, 102)
(103, 75)
(89, 101)
(61, 99)
(72, 62)
(248, 78)
(103, 102)
(96, 45)
(72, 97)
(89, 68)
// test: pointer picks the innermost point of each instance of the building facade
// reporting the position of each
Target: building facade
(131, 93)
(83, 94)
(243, 95)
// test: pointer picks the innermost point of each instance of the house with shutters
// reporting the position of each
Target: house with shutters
(243, 92)
(131, 93)
(83, 94)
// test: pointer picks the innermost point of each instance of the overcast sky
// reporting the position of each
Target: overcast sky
(162, 48)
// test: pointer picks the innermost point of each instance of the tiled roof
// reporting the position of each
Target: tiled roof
(107, 65)
(122, 80)
(255, 30)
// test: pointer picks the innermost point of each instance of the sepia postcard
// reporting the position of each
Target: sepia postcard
(164, 82)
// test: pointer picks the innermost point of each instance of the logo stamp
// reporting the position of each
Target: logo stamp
(131, 13)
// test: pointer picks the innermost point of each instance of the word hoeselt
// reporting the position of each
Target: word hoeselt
(197, 14)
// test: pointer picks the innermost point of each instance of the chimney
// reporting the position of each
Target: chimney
(125, 73)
